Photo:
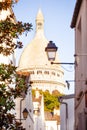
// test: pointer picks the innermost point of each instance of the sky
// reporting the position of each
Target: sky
(58, 16)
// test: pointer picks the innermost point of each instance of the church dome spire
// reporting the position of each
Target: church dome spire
(39, 21)
(34, 61)
(34, 53)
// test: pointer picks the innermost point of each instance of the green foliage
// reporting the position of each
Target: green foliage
(33, 92)
(7, 3)
(51, 101)
(12, 85)
(10, 30)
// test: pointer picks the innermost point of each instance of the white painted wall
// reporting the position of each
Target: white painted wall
(67, 123)
(51, 125)
(21, 104)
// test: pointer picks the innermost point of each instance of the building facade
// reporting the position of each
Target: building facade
(67, 112)
(23, 103)
(79, 23)
(42, 74)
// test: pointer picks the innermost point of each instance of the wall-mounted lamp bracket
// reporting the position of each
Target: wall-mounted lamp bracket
(64, 63)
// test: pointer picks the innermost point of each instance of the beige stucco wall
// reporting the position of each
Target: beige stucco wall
(81, 52)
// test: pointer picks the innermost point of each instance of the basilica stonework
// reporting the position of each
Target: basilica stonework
(42, 75)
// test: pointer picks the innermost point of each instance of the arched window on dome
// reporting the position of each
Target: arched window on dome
(53, 73)
(58, 74)
(31, 72)
(46, 72)
(39, 72)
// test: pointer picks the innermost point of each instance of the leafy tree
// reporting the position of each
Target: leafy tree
(51, 101)
(12, 85)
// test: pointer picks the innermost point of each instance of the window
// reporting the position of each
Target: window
(31, 72)
(39, 25)
(39, 72)
(46, 72)
(53, 73)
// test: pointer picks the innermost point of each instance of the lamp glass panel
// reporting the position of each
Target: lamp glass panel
(51, 55)
(25, 113)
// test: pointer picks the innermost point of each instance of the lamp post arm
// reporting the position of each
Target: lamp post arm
(21, 107)
(63, 63)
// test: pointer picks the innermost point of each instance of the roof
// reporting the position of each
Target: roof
(76, 12)
(49, 116)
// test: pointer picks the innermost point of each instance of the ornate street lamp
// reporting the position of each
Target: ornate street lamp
(51, 50)
(25, 113)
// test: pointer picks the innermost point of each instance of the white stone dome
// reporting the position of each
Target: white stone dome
(34, 54)
(34, 62)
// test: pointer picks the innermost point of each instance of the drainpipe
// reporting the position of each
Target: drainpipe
(60, 99)
(21, 108)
